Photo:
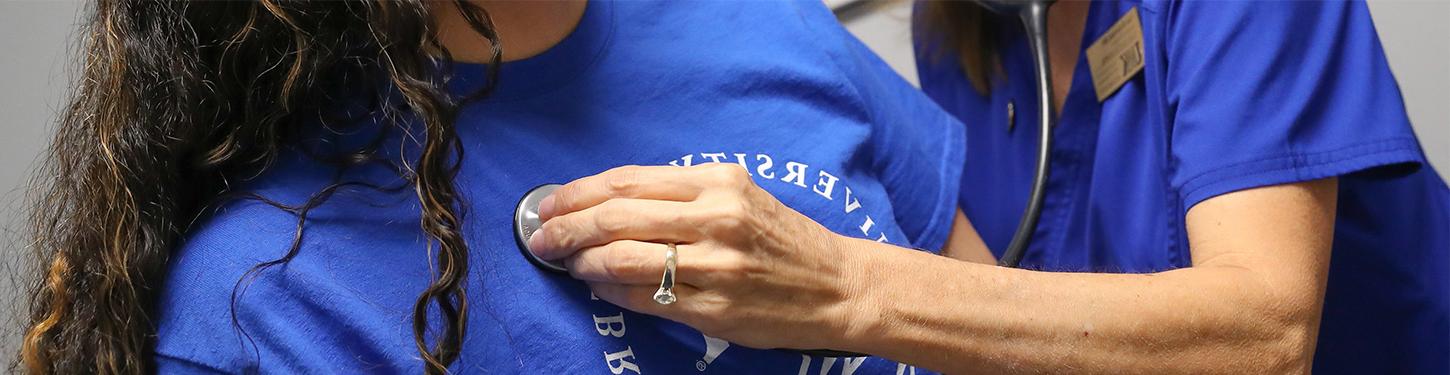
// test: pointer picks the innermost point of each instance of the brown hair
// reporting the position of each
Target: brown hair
(178, 99)
(966, 33)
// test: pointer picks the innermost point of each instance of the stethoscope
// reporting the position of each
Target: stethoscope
(1034, 18)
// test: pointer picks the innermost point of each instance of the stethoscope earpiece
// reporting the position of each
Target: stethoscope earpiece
(526, 222)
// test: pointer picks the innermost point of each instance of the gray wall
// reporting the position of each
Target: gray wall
(35, 37)
(1416, 36)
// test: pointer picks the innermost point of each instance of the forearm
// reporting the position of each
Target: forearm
(961, 317)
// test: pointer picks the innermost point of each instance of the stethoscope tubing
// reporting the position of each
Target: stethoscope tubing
(1034, 20)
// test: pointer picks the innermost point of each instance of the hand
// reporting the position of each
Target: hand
(750, 270)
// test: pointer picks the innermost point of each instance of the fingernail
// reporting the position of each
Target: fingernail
(546, 207)
(537, 241)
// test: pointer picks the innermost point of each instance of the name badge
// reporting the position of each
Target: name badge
(1117, 56)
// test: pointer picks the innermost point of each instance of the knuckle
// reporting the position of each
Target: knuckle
(622, 263)
(610, 220)
(612, 269)
(564, 197)
(730, 268)
(622, 181)
(729, 215)
(558, 244)
(737, 176)
(736, 173)
(563, 234)
(728, 223)
(550, 230)
(634, 262)
(728, 174)
(575, 268)
(734, 264)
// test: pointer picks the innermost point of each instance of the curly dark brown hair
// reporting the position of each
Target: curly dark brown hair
(178, 100)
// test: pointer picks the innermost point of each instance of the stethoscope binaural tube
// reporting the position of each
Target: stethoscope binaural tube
(1034, 20)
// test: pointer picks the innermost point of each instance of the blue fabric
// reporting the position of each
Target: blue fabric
(1233, 95)
(780, 87)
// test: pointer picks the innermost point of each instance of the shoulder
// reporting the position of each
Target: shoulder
(1249, 17)
(252, 286)
(195, 309)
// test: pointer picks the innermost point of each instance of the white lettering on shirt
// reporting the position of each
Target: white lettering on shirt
(849, 365)
(795, 172)
(605, 325)
(688, 161)
(851, 204)
(713, 348)
(825, 185)
(764, 168)
(826, 365)
(714, 156)
(623, 359)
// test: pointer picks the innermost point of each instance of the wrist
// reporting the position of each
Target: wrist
(865, 306)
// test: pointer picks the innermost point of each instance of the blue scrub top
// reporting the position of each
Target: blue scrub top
(777, 87)
(1233, 95)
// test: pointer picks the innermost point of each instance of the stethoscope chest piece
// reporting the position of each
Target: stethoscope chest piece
(526, 222)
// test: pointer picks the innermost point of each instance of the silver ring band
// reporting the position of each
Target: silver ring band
(666, 294)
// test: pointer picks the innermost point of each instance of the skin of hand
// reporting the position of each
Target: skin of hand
(754, 272)
(750, 270)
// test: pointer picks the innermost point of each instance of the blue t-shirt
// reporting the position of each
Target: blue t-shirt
(778, 87)
(1233, 95)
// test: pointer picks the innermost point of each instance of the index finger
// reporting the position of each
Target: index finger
(632, 181)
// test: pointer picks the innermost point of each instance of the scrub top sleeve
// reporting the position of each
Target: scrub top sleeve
(917, 149)
(1274, 92)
